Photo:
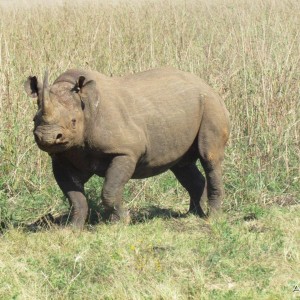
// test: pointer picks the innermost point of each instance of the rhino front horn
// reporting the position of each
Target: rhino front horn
(46, 102)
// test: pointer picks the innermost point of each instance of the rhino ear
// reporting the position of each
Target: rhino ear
(88, 87)
(31, 86)
(81, 84)
(86, 90)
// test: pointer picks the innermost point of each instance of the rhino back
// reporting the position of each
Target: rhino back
(157, 113)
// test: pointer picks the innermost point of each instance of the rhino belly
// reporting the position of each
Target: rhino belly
(170, 139)
(164, 158)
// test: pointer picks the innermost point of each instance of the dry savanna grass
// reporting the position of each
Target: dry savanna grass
(249, 51)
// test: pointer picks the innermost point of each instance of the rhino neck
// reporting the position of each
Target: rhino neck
(91, 110)
(91, 119)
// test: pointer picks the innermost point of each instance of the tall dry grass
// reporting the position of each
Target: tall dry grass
(248, 51)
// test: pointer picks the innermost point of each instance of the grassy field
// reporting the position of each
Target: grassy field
(249, 51)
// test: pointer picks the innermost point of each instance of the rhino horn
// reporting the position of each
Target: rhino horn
(47, 106)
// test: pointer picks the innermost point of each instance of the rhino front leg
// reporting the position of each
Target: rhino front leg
(117, 175)
(71, 182)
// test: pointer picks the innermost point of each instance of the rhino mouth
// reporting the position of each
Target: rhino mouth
(50, 137)
(54, 148)
(51, 145)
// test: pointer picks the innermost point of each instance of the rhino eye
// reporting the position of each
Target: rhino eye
(73, 123)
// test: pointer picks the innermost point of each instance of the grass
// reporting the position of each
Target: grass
(158, 259)
(249, 51)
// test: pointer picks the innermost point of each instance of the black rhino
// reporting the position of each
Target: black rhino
(134, 126)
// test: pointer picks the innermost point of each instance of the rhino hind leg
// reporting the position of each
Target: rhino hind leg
(211, 148)
(215, 191)
(193, 181)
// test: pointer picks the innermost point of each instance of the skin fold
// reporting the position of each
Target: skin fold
(134, 126)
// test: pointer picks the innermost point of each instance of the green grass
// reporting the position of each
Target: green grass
(156, 259)
(249, 51)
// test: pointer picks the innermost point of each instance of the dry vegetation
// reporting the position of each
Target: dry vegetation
(249, 51)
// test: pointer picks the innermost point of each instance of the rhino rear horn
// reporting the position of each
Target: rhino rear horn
(46, 83)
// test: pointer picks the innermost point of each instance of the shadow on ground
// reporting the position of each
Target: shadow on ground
(152, 212)
(95, 217)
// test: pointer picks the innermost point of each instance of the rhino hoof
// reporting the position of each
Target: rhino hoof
(198, 212)
(119, 217)
(214, 213)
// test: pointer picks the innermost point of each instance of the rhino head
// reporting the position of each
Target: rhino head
(59, 121)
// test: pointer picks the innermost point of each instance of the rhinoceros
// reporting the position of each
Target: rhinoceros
(131, 127)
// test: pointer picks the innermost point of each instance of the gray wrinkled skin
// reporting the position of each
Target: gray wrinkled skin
(134, 126)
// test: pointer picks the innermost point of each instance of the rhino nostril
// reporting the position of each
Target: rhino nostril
(59, 136)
